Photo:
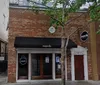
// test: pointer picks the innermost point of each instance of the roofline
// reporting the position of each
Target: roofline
(41, 8)
(3, 41)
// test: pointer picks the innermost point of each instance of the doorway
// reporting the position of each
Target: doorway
(41, 66)
(79, 63)
(58, 65)
(23, 66)
(79, 67)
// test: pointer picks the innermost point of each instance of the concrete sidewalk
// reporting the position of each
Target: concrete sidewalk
(54, 83)
(3, 80)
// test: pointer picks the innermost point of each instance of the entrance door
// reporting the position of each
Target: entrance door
(41, 66)
(47, 66)
(79, 67)
(22, 66)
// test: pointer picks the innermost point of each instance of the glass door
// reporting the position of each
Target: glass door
(58, 65)
(22, 66)
(47, 66)
(41, 67)
(35, 66)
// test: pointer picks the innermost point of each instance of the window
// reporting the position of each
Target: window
(23, 66)
(58, 65)
(14, 2)
(35, 65)
(19, 2)
(41, 66)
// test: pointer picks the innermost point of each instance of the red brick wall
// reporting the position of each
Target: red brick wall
(29, 24)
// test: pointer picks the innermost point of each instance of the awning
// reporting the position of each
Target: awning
(39, 42)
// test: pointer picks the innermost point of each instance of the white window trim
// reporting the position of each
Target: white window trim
(66, 68)
(38, 50)
(29, 71)
(53, 51)
(79, 51)
(53, 66)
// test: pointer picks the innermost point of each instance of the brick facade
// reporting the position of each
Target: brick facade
(26, 23)
(98, 47)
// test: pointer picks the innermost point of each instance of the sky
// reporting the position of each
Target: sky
(4, 13)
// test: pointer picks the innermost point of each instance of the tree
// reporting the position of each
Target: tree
(59, 10)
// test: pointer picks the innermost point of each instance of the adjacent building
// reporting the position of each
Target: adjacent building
(35, 54)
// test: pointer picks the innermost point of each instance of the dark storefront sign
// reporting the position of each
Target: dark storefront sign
(84, 36)
(23, 60)
(33, 42)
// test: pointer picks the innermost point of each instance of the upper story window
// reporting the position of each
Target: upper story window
(19, 2)
(14, 2)
(28, 3)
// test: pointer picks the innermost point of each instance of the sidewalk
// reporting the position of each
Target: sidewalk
(3, 80)
(3, 77)
(54, 83)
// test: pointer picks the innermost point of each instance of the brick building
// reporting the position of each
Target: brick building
(34, 53)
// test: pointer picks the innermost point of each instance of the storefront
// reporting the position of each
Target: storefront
(36, 66)
(34, 53)
(39, 58)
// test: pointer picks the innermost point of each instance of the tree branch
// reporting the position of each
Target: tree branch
(47, 7)
(56, 20)
(73, 19)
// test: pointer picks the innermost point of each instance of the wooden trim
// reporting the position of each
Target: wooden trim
(41, 66)
(36, 77)
(58, 76)
(93, 50)
(79, 66)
